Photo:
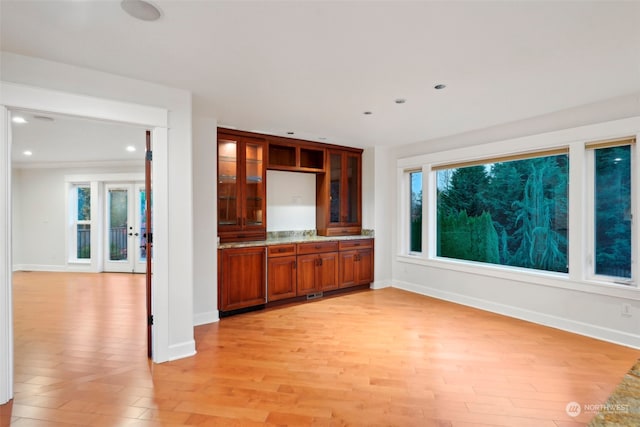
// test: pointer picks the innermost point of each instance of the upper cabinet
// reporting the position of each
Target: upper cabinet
(339, 194)
(244, 157)
(289, 156)
(241, 188)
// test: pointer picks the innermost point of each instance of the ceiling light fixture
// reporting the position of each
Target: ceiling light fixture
(400, 101)
(131, 148)
(290, 133)
(27, 153)
(367, 113)
(141, 9)
(19, 120)
(439, 86)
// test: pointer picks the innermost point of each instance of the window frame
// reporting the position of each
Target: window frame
(574, 139)
(74, 222)
(590, 221)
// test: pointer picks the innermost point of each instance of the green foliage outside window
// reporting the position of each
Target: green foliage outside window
(510, 213)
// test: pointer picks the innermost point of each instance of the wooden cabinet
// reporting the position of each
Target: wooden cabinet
(356, 262)
(241, 188)
(281, 272)
(241, 278)
(339, 194)
(317, 267)
(296, 157)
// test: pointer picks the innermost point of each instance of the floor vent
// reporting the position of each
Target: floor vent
(314, 295)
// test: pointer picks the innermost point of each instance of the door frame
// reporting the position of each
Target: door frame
(17, 96)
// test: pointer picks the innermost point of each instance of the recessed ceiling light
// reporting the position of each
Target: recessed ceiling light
(27, 153)
(439, 86)
(18, 119)
(141, 9)
(131, 148)
(400, 101)
(367, 113)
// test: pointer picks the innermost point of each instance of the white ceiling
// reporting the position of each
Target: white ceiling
(58, 139)
(314, 67)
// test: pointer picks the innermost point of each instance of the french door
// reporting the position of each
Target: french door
(125, 246)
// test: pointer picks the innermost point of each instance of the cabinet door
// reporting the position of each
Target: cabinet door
(348, 269)
(327, 271)
(242, 278)
(307, 274)
(241, 188)
(364, 264)
(229, 201)
(253, 213)
(282, 278)
(339, 195)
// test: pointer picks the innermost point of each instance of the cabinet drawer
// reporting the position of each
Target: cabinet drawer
(281, 250)
(317, 247)
(355, 244)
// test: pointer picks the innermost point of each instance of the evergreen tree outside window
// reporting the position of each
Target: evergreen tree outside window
(511, 211)
(612, 211)
(415, 212)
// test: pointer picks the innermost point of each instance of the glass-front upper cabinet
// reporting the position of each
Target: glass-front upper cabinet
(241, 188)
(339, 196)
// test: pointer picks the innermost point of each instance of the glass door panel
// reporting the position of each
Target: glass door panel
(352, 189)
(335, 162)
(118, 225)
(228, 212)
(140, 241)
(254, 172)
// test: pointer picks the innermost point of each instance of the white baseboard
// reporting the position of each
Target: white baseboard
(182, 350)
(39, 267)
(205, 318)
(380, 284)
(569, 325)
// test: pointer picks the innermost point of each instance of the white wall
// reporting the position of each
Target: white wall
(178, 314)
(570, 303)
(39, 215)
(205, 254)
(291, 201)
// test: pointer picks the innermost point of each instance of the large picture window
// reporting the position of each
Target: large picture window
(510, 211)
(612, 208)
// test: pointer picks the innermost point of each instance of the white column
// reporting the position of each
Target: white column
(6, 313)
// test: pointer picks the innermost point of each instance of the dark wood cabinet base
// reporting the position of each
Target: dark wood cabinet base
(295, 300)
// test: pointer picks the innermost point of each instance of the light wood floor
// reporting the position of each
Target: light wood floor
(373, 358)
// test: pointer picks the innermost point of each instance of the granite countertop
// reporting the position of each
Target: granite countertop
(283, 237)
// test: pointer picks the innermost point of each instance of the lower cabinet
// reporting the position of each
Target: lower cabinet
(282, 272)
(253, 276)
(241, 278)
(317, 267)
(356, 262)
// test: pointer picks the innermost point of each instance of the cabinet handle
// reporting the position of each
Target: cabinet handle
(294, 264)
(282, 249)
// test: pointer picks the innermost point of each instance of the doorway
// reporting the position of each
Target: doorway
(38, 99)
(125, 245)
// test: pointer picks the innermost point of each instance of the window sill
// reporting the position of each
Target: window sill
(551, 279)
